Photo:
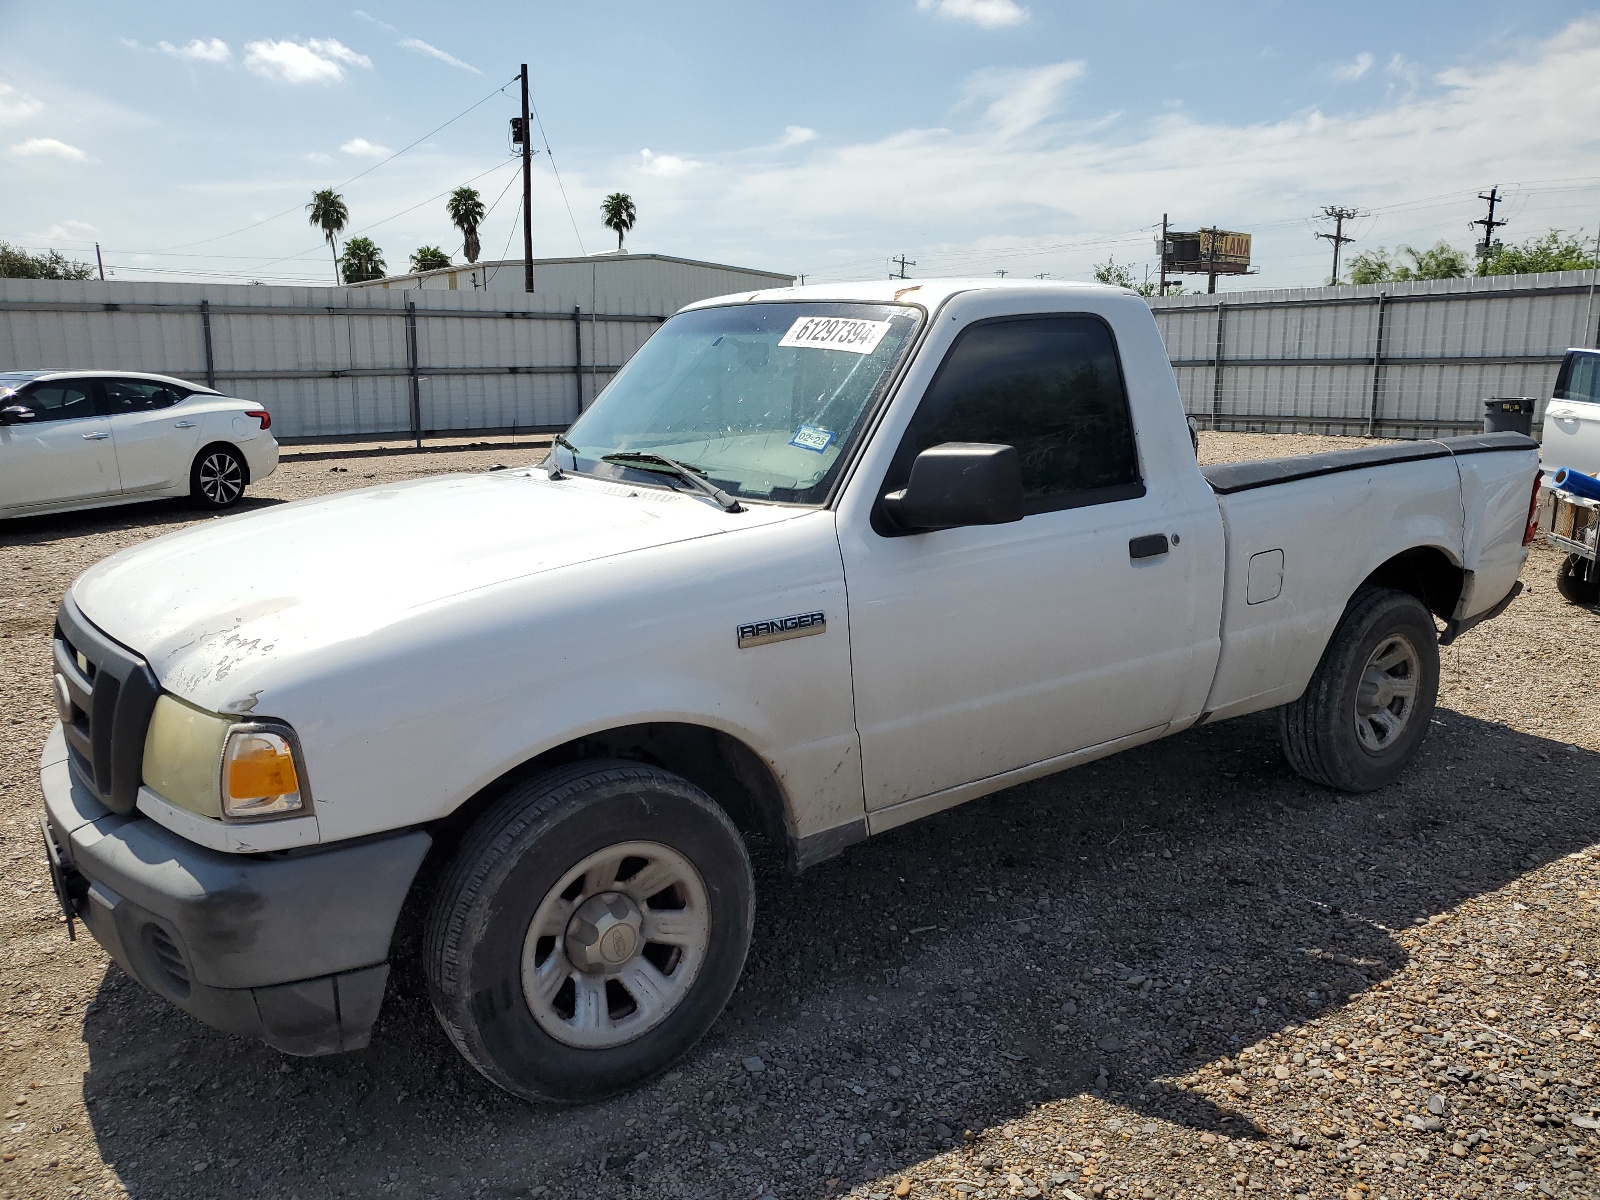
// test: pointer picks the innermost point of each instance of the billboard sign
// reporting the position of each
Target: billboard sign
(1208, 252)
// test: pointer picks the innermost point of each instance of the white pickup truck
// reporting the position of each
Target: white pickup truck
(818, 562)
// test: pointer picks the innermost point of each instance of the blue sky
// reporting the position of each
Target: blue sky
(970, 135)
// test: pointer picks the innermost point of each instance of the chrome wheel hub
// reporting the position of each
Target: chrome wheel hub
(615, 945)
(1387, 693)
(220, 478)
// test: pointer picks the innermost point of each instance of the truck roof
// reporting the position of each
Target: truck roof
(928, 292)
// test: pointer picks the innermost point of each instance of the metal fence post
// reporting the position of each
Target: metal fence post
(205, 327)
(577, 352)
(1377, 366)
(1216, 374)
(416, 387)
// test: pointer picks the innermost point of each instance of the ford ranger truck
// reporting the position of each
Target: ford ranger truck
(819, 561)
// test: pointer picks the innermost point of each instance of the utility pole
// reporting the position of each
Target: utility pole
(100, 262)
(527, 190)
(1486, 247)
(1163, 249)
(1002, 274)
(902, 262)
(1042, 275)
(1339, 215)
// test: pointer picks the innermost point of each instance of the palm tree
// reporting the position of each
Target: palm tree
(362, 260)
(465, 207)
(619, 214)
(429, 258)
(330, 215)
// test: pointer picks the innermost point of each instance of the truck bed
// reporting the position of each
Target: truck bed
(1303, 533)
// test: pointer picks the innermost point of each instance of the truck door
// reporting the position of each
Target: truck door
(981, 650)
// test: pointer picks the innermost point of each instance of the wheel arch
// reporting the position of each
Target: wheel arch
(220, 444)
(741, 782)
(1426, 572)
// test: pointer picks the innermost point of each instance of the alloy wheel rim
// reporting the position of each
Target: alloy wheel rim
(221, 479)
(615, 945)
(1387, 693)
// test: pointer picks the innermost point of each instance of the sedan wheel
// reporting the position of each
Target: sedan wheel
(217, 479)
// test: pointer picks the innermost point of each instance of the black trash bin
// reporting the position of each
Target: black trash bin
(1508, 414)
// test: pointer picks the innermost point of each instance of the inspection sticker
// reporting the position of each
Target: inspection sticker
(836, 333)
(812, 437)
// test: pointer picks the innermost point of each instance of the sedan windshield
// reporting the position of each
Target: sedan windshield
(764, 400)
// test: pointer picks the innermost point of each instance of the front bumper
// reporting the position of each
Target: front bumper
(291, 948)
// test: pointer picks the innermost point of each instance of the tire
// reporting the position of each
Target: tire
(1371, 699)
(217, 478)
(518, 909)
(1578, 579)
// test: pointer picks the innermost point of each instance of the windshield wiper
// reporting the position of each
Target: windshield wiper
(693, 476)
(554, 470)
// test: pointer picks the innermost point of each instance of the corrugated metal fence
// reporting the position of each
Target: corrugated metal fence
(1397, 360)
(1409, 360)
(334, 361)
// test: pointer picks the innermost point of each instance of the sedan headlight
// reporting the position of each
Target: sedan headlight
(220, 767)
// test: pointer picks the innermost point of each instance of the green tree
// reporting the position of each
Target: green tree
(1441, 261)
(17, 263)
(1557, 250)
(429, 258)
(361, 261)
(1115, 274)
(618, 214)
(465, 207)
(329, 214)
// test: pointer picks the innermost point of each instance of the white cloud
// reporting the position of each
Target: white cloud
(1024, 161)
(418, 46)
(68, 230)
(362, 148)
(796, 135)
(1354, 69)
(383, 25)
(16, 105)
(317, 60)
(199, 49)
(318, 156)
(667, 164)
(991, 14)
(43, 147)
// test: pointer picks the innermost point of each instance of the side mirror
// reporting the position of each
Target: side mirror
(16, 414)
(959, 483)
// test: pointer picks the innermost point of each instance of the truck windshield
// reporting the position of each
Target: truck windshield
(764, 399)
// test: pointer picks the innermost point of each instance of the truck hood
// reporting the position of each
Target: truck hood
(203, 604)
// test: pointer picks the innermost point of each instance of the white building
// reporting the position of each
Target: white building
(638, 284)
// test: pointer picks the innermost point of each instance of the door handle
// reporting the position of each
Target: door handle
(95, 437)
(1148, 546)
(183, 425)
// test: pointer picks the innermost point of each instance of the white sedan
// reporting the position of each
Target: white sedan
(86, 439)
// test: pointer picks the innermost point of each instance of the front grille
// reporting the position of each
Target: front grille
(166, 960)
(106, 694)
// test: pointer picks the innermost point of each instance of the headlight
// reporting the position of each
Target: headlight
(220, 767)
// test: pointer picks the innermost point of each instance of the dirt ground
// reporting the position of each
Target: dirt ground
(1178, 972)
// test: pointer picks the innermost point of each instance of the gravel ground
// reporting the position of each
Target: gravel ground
(1178, 972)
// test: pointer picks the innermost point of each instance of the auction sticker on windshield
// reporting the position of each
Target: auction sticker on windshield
(836, 333)
(812, 437)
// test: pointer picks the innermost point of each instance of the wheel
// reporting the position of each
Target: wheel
(592, 927)
(217, 478)
(1369, 703)
(1579, 580)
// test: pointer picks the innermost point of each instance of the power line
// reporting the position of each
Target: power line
(550, 154)
(382, 162)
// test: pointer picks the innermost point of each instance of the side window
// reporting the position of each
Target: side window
(64, 401)
(138, 395)
(1051, 387)
(1585, 382)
